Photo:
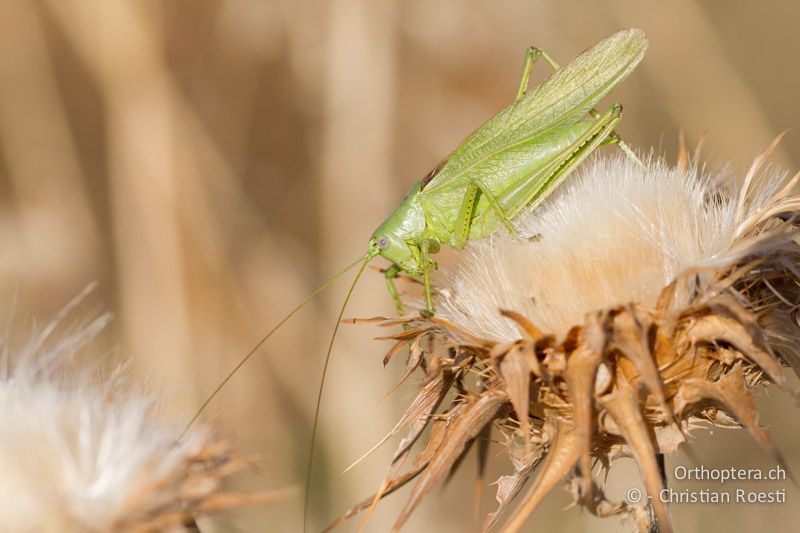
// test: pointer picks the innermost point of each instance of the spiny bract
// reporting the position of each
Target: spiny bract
(636, 303)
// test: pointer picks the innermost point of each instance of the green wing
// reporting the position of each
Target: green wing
(551, 108)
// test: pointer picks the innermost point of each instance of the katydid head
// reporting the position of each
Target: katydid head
(397, 239)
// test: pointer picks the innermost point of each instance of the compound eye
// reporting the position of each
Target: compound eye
(383, 243)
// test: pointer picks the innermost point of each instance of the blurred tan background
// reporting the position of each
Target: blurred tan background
(210, 162)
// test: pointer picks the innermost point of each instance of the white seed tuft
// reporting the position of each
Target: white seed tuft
(613, 233)
(83, 452)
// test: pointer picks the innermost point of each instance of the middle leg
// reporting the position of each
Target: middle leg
(391, 274)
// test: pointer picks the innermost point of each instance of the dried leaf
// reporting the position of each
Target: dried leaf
(526, 327)
(516, 374)
(393, 480)
(463, 429)
(387, 488)
(598, 505)
(560, 459)
(623, 406)
(683, 154)
(464, 335)
(417, 415)
(509, 486)
(732, 394)
(630, 338)
(404, 335)
(396, 347)
(714, 328)
(582, 368)
(373, 320)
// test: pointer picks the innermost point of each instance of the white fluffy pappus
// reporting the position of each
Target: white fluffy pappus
(84, 452)
(613, 233)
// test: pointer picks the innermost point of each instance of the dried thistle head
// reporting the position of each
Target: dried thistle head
(83, 453)
(636, 303)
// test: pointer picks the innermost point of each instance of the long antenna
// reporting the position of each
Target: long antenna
(366, 259)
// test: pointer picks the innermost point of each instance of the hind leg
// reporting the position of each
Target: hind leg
(531, 55)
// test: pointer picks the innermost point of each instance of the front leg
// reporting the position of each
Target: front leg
(391, 273)
(426, 265)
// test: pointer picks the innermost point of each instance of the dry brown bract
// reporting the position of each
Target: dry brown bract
(630, 380)
(194, 489)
